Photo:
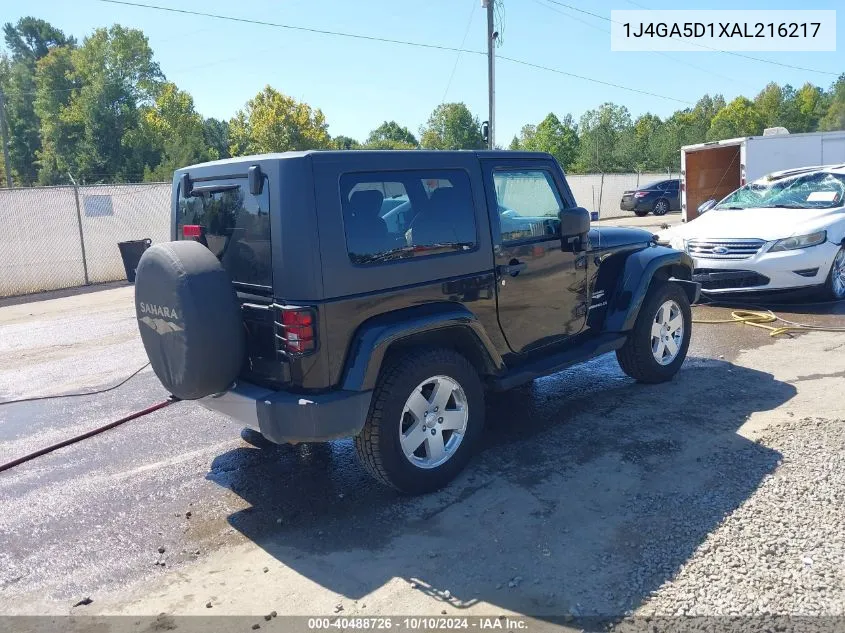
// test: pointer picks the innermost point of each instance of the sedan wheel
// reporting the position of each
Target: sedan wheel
(661, 207)
(836, 279)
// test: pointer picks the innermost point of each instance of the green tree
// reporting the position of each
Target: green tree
(28, 41)
(391, 135)
(345, 142)
(811, 106)
(112, 76)
(602, 130)
(738, 118)
(174, 132)
(551, 135)
(216, 135)
(834, 119)
(274, 122)
(60, 136)
(452, 126)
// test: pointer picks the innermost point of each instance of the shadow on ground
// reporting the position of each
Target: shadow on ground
(589, 493)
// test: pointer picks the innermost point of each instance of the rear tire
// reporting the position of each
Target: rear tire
(641, 213)
(655, 335)
(402, 414)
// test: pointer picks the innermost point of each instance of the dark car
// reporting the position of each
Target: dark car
(379, 295)
(658, 197)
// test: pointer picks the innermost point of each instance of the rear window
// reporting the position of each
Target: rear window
(234, 225)
(398, 215)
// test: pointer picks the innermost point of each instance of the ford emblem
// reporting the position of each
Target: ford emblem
(720, 250)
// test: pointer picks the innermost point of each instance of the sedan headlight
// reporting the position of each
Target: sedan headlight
(799, 241)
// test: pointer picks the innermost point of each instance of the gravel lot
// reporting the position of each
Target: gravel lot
(720, 493)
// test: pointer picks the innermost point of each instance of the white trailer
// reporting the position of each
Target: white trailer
(713, 170)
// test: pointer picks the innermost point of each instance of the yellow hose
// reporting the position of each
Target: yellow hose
(759, 319)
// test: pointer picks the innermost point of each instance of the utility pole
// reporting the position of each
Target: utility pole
(4, 130)
(491, 73)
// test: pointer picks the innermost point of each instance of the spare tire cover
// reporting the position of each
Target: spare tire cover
(189, 318)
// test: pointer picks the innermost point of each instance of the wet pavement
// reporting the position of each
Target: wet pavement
(89, 519)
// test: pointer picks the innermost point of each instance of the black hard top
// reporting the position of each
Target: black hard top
(362, 153)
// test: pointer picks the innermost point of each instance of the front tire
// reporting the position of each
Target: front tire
(657, 346)
(424, 422)
(835, 284)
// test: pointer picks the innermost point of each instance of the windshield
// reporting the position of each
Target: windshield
(234, 224)
(817, 190)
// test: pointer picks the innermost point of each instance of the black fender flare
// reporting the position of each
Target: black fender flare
(639, 270)
(374, 337)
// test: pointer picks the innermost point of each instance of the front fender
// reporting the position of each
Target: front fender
(639, 269)
(375, 336)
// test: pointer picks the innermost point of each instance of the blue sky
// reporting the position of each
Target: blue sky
(359, 84)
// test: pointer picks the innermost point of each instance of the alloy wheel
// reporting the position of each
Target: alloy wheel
(837, 274)
(667, 332)
(433, 422)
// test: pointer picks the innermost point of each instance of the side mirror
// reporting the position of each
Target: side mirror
(574, 226)
(256, 180)
(485, 132)
(704, 207)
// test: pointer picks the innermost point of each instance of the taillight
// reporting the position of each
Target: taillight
(192, 231)
(296, 330)
(641, 194)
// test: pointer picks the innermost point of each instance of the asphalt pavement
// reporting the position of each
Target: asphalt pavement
(558, 514)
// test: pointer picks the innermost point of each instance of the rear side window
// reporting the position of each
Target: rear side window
(396, 215)
(234, 224)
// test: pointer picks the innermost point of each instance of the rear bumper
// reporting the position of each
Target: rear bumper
(636, 205)
(284, 417)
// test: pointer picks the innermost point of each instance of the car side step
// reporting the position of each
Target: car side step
(551, 364)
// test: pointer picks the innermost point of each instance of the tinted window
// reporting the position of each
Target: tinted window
(234, 225)
(652, 186)
(528, 203)
(672, 185)
(397, 215)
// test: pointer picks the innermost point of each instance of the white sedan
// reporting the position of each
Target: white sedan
(781, 232)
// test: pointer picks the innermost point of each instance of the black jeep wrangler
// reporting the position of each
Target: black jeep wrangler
(378, 294)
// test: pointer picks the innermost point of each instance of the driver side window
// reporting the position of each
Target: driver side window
(528, 204)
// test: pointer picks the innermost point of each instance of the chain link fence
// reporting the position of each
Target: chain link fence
(62, 237)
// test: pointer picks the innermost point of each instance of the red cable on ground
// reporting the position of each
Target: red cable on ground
(86, 435)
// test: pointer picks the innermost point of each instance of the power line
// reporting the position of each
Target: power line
(591, 79)
(280, 25)
(698, 44)
(388, 41)
(661, 53)
(375, 39)
(458, 56)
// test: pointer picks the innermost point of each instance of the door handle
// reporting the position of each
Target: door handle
(513, 268)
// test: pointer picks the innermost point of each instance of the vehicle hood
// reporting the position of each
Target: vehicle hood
(764, 224)
(612, 237)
